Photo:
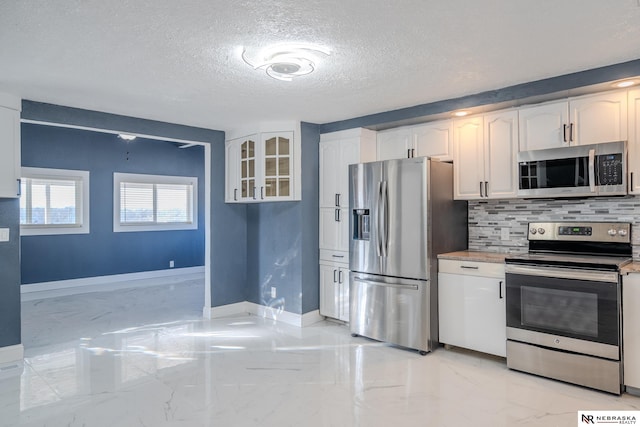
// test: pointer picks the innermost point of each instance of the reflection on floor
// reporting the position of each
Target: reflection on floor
(147, 358)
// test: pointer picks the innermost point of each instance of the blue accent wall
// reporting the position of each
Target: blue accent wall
(10, 274)
(309, 217)
(228, 238)
(282, 241)
(103, 252)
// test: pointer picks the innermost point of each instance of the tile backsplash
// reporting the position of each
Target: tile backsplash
(487, 219)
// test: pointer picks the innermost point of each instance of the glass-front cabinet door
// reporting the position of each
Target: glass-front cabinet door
(277, 166)
(248, 168)
(260, 168)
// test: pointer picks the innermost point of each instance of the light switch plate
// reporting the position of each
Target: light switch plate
(4, 234)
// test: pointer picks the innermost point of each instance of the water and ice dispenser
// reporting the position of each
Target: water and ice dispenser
(361, 224)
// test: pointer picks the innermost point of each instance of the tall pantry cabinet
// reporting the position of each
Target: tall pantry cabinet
(338, 150)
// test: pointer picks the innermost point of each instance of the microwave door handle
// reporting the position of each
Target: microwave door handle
(592, 172)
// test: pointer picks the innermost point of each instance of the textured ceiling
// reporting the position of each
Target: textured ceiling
(178, 61)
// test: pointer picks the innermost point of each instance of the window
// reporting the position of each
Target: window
(54, 201)
(154, 202)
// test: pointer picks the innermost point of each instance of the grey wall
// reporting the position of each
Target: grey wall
(10, 274)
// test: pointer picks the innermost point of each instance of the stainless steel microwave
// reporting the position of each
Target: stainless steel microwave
(575, 171)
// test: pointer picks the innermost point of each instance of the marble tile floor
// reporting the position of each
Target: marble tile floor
(114, 360)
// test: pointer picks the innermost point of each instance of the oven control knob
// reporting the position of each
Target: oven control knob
(622, 232)
(533, 231)
(541, 230)
(612, 232)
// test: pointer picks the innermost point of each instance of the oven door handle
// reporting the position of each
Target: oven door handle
(563, 273)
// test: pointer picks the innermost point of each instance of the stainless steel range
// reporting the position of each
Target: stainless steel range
(563, 303)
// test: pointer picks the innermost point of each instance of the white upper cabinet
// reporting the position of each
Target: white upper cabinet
(394, 144)
(10, 167)
(232, 169)
(634, 141)
(582, 120)
(433, 139)
(468, 158)
(338, 150)
(543, 126)
(260, 168)
(501, 154)
(485, 156)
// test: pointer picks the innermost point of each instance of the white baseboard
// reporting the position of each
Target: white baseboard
(111, 282)
(266, 312)
(11, 360)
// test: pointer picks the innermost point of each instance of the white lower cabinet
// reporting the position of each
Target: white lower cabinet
(471, 305)
(631, 330)
(334, 290)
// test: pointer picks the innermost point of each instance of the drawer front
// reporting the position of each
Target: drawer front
(471, 268)
(334, 256)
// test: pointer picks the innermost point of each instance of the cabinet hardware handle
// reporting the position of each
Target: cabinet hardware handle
(337, 199)
(19, 186)
(481, 189)
(486, 189)
(339, 276)
(469, 267)
(235, 194)
(254, 193)
(570, 132)
(564, 133)
(413, 152)
(408, 153)
(500, 288)
(334, 276)
(337, 256)
(631, 182)
(262, 193)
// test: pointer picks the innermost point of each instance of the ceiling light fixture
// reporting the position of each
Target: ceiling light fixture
(284, 62)
(126, 136)
(460, 113)
(624, 83)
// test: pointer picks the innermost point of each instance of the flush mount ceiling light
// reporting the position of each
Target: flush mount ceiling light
(624, 83)
(126, 136)
(284, 62)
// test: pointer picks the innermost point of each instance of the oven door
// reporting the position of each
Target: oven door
(564, 308)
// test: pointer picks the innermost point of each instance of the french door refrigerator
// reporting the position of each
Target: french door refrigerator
(402, 214)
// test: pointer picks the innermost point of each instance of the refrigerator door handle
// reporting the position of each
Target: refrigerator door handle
(385, 187)
(385, 284)
(379, 221)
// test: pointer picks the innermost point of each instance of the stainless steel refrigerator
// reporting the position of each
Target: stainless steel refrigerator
(402, 215)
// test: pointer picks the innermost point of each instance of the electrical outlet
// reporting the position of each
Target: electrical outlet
(4, 234)
(504, 233)
(171, 264)
(273, 292)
